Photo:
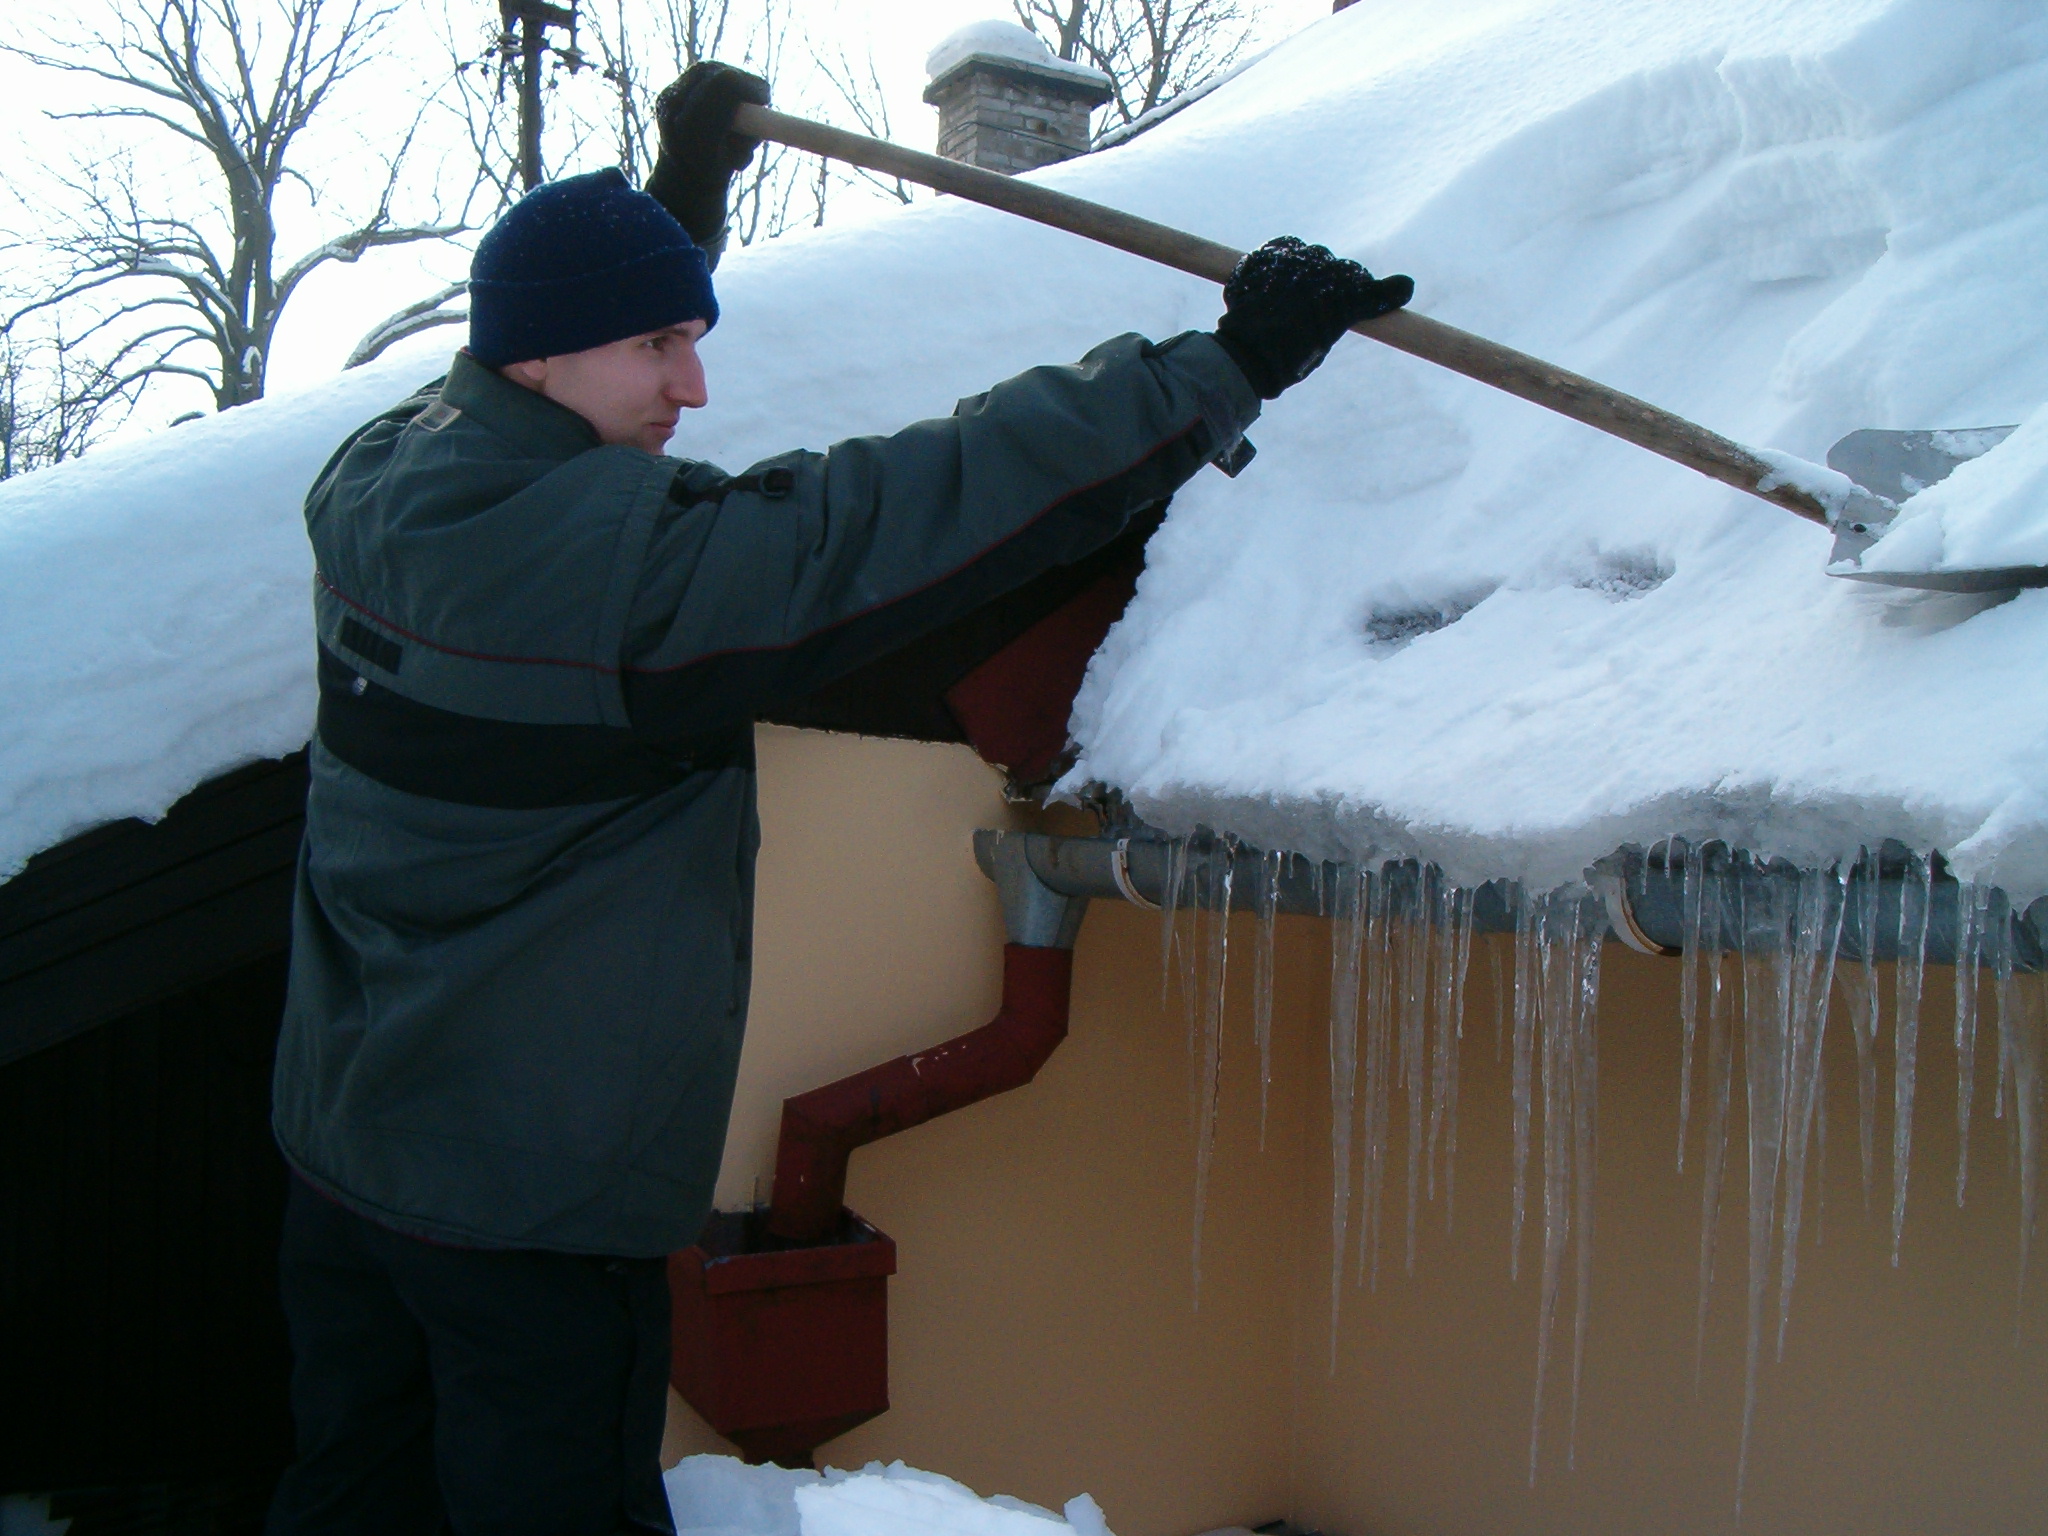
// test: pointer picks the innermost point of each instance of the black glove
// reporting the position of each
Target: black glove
(700, 154)
(1288, 302)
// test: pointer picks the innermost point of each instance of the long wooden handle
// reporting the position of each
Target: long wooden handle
(1558, 389)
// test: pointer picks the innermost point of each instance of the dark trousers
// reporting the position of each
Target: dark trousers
(468, 1390)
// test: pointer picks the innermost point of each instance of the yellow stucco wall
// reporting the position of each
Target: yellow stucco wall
(1044, 1338)
(1043, 1333)
(1904, 1403)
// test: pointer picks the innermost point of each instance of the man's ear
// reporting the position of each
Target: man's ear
(533, 372)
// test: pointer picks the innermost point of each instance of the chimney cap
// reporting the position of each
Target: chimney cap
(1007, 45)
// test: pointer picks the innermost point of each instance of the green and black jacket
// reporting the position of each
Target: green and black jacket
(521, 943)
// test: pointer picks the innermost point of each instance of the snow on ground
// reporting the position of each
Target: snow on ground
(722, 1496)
(1429, 619)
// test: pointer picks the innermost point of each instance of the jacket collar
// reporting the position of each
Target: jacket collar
(519, 415)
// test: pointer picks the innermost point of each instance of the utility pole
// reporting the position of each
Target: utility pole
(526, 35)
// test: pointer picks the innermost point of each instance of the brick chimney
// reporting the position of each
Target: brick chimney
(1005, 103)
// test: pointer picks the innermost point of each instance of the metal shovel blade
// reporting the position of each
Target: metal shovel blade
(1897, 465)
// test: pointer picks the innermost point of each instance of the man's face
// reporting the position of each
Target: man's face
(632, 391)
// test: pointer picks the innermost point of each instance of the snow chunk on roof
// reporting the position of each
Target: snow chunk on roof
(1003, 40)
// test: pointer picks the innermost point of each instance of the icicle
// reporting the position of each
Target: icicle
(2027, 1063)
(1557, 964)
(1372, 897)
(1818, 933)
(1271, 867)
(1820, 1120)
(1720, 1076)
(1767, 951)
(1997, 943)
(1972, 904)
(1916, 893)
(1691, 899)
(1860, 990)
(1178, 943)
(1379, 1064)
(2000, 940)
(1415, 990)
(1442, 1057)
(1500, 1000)
(1525, 1005)
(1347, 935)
(1222, 875)
(1585, 1096)
(1169, 912)
(1461, 959)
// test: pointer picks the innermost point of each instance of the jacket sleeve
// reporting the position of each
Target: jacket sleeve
(788, 580)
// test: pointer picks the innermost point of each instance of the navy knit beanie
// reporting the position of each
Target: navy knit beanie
(580, 262)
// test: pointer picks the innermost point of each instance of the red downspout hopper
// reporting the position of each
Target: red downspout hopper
(780, 1332)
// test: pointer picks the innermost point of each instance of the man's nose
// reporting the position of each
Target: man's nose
(686, 386)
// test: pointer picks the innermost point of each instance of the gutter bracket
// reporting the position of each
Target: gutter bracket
(1610, 879)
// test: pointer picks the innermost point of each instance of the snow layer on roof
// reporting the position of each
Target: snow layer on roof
(1430, 619)
(155, 609)
(1436, 621)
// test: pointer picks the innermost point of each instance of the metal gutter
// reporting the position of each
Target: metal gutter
(1642, 895)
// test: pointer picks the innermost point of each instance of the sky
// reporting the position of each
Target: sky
(340, 303)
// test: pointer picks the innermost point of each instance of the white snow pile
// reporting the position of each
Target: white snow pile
(1430, 619)
(722, 1496)
(1002, 40)
(155, 602)
(1434, 620)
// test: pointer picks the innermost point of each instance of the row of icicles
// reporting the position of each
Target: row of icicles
(1400, 952)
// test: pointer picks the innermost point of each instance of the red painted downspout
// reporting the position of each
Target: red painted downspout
(820, 1129)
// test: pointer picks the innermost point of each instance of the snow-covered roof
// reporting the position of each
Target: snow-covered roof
(1003, 40)
(1430, 619)
(1152, 117)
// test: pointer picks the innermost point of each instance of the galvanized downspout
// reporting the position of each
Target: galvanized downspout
(821, 1129)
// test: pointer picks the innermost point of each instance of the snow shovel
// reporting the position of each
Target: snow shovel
(1846, 501)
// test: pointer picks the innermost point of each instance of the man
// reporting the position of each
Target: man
(521, 942)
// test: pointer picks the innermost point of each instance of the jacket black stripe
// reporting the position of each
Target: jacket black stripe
(378, 650)
(739, 685)
(443, 755)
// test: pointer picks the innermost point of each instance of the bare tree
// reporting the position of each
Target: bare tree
(489, 79)
(860, 92)
(673, 35)
(52, 408)
(638, 46)
(198, 291)
(1152, 50)
(421, 315)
